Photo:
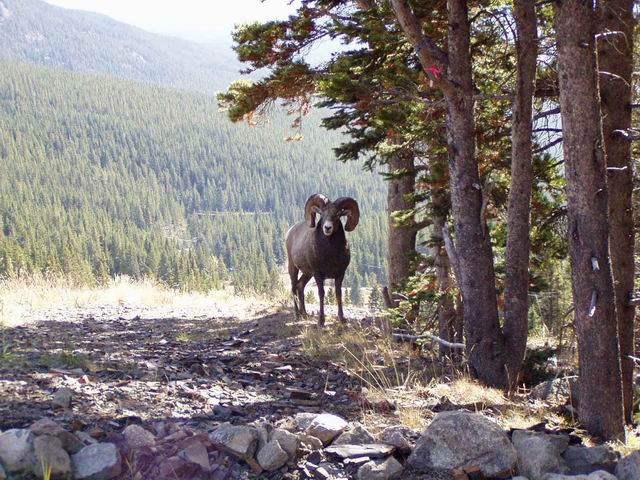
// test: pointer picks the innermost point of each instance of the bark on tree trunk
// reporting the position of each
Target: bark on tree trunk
(483, 336)
(615, 57)
(516, 290)
(593, 297)
(402, 239)
(485, 344)
(448, 325)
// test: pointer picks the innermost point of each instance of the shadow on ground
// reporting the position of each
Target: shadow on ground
(198, 371)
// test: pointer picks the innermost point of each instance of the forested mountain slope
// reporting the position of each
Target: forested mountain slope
(38, 32)
(102, 176)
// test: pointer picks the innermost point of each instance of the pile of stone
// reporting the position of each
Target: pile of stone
(456, 444)
(46, 450)
(321, 446)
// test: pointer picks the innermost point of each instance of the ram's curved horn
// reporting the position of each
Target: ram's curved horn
(351, 209)
(316, 200)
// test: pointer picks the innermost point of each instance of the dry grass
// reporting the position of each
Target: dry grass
(22, 298)
(413, 417)
(463, 391)
(630, 445)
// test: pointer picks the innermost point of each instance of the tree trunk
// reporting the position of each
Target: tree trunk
(483, 336)
(593, 297)
(402, 238)
(484, 339)
(615, 56)
(516, 290)
(449, 327)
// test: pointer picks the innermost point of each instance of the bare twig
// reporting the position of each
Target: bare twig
(412, 338)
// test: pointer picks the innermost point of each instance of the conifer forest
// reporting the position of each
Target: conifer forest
(366, 239)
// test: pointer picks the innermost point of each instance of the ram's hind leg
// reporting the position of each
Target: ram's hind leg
(293, 275)
(302, 282)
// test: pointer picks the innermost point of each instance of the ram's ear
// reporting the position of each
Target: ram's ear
(349, 207)
(314, 205)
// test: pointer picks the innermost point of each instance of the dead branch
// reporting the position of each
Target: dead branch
(404, 337)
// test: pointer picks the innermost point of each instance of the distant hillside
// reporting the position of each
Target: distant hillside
(37, 32)
(102, 176)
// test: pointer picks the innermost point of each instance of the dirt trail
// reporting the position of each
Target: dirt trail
(127, 365)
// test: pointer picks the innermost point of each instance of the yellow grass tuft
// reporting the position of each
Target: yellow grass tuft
(464, 390)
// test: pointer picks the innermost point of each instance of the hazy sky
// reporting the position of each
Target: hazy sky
(192, 19)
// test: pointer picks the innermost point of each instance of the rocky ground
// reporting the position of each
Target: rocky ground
(121, 392)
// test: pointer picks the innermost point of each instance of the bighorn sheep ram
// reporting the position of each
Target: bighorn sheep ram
(320, 249)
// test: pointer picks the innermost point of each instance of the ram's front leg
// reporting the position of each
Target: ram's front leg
(339, 298)
(320, 283)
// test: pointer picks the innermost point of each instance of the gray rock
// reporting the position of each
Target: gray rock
(272, 456)
(599, 475)
(263, 429)
(287, 440)
(85, 438)
(137, 437)
(628, 467)
(240, 441)
(303, 420)
(308, 442)
(458, 439)
(3, 474)
(62, 398)
(46, 426)
(16, 450)
(326, 427)
(358, 435)
(519, 478)
(97, 462)
(590, 459)
(196, 453)
(539, 453)
(51, 457)
(559, 390)
(380, 470)
(374, 450)
(398, 436)
(70, 442)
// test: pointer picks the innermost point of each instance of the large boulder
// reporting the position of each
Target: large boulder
(16, 450)
(540, 453)
(241, 441)
(51, 459)
(628, 467)
(380, 470)
(326, 427)
(100, 461)
(558, 390)
(458, 439)
(585, 460)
